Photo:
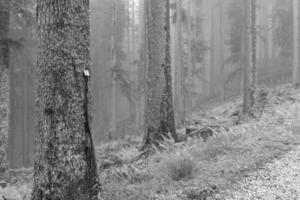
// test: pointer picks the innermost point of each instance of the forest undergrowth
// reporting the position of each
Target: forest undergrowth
(192, 169)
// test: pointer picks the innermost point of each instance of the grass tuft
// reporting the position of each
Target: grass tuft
(178, 167)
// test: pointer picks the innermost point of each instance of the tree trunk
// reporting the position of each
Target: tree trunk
(114, 91)
(186, 74)
(270, 30)
(222, 51)
(159, 115)
(207, 23)
(4, 29)
(250, 57)
(4, 62)
(65, 164)
(179, 79)
(21, 119)
(295, 45)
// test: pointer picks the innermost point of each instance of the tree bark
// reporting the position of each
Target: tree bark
(65, 165)
(159, 114)
(4, 29)
(4, 57)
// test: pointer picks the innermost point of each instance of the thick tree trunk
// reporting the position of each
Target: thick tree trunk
(4, 30)
(159, 115)
(4, 63)
(65, 165)
(249, 75)
(295, 44)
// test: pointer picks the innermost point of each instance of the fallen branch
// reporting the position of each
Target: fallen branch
(204, 132)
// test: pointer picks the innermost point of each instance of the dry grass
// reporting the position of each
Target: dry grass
(175, 167)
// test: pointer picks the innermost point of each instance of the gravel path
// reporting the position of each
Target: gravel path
(277, 180)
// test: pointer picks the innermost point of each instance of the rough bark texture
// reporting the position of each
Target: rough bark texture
(159, 115)
(250, 57)
(65, 166)
(4, 29)
(4, 62)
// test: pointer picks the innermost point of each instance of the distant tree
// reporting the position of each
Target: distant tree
(236, 18)
(65, 164)
(250, 57)
(22, 11)
(113, 127)
(17, 39)
(179, 95)
(283, 34)
(222, 49)
(159, 114)
(295, 44)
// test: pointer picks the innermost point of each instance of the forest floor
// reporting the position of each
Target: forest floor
(279, 179)
(245, 158)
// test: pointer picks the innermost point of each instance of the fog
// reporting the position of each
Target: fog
(207, 62)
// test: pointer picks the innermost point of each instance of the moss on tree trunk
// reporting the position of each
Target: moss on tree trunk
(65, 165)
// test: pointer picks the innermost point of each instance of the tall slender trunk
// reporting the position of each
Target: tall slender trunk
(65, 165)
(142, 66)
(207, 34)
(135, 42)
(187, 68)
(250, 57)
(270, 31)
(146, 8)
(159, 115)
(113, 128)
(295, 44)
(222, 63)
(179, 79)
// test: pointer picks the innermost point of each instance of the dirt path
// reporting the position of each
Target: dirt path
(277, 180)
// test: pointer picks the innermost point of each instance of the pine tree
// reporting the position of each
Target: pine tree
(249, 57)
(65, 166)
(159, 114)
